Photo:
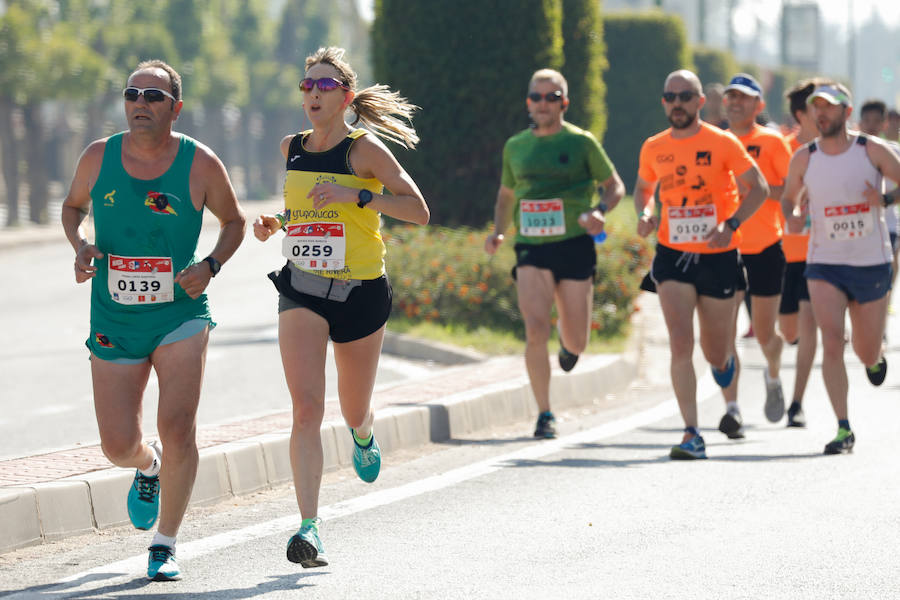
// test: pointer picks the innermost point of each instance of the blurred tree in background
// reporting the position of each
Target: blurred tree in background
(584, 64)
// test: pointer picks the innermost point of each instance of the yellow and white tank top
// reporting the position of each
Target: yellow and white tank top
(342, 241)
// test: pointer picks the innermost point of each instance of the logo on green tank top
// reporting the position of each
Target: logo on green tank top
(161, 203)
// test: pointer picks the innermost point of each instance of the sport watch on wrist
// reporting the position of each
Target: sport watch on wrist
(887, 199)
(365, 196)
(733, 223)
(214, 265)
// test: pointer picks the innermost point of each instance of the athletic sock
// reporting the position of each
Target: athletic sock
(362, 442)
(844, 424)
(153, 469)
(731, 407)
(163, 540)
(692, 430)
(310, 523)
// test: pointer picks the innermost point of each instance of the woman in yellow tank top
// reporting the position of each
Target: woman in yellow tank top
(333, 284)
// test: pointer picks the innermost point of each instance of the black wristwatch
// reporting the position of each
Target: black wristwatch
(214, 265)
(601, 206)
(888, 199)
(733, 223)
(365, 196)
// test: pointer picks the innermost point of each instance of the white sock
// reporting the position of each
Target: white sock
(163, 540)
(153, 469)
(731, 407)
(769, 378)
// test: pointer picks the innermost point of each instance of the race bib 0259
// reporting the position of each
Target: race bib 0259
(316, 246)
(141, 279)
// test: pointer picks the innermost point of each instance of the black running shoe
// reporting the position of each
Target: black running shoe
(877, 372)
(567, 360)
(796, 416)
(732, 425)
(546, 426)
(842, 443)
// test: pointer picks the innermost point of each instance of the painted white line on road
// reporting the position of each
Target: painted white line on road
(135, 566)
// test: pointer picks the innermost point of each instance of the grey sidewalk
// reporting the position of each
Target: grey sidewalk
(48, 497)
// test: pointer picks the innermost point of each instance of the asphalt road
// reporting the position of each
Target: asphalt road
(46, 401)
(599, 513)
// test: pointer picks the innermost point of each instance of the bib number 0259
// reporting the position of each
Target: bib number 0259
(316, 246)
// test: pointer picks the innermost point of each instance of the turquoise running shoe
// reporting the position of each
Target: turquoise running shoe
(366, 459)
(692, 449)
(143, 501)
(161, 565)
(305, 547)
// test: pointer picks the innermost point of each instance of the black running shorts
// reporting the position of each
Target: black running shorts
(574, 258)
(765, 271)
(716, 275)
(795, 288)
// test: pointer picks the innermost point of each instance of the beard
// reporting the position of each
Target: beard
(684, 119)
(831, 128)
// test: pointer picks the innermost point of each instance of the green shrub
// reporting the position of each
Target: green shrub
(467, 64)
(642, 50)
(443, 275)
(585, 62)
(714, 65)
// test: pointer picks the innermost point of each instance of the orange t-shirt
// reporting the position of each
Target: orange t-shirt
(795, 245)
(772, 155)
(697, 186)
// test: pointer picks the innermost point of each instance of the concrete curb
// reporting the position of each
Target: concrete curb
(94, 501)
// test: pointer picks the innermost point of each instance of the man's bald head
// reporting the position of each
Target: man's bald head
(683, 76)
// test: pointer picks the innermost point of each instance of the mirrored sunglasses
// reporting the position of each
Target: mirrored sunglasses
(549, 96)
(325, 84)
(150, 94)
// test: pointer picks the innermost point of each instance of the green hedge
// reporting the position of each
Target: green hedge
(467, 64)
(642, 50)
(714, 65)
(585, 63)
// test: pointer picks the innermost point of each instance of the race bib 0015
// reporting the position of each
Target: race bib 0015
(316, 246)
(849, 222)
(691, 223)
(141, 279)
(540, 218)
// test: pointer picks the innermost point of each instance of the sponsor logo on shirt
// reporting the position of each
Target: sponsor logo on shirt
(160, 203)
(754, 151)
(704, 158)
(110, 199)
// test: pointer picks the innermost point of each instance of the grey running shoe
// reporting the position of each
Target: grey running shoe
(732, 425)
(774, 399)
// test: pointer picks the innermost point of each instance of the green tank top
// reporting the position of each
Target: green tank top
(147, 230)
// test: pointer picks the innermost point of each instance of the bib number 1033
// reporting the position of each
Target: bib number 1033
(316, 246)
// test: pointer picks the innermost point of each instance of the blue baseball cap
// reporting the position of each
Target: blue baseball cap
(745, 84)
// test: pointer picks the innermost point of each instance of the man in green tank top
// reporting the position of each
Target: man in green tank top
(550, 174)
(147, 188)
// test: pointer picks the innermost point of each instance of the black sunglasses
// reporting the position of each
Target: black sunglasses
(685, 96)
(131, 94)
(549, 96)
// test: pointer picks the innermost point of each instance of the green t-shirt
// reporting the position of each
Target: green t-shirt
(554, 178)
(147, 230)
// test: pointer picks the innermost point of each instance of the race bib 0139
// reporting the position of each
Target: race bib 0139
(316, 246)
(141, 279)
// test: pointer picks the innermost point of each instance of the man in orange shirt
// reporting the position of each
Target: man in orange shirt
(696, 267)
(760, 245)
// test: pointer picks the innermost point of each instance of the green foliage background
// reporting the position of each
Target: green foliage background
(642, 50)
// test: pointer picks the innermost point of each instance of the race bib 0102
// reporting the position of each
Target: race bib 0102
(141, 279)
(316, 246)
(849, 222)
(541, 218)
(691, 223)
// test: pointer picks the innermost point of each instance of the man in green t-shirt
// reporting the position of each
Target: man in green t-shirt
(147, 188)
(550, 174)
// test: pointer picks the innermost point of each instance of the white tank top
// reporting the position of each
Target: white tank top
(845, 229)
(890, 215)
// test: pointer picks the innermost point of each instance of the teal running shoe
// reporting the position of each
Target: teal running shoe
(143, 501)
(161, 565)
(305, 547)
(691, 449)
(843, 442)
(366, 459)
(545, 428)
(724, 377)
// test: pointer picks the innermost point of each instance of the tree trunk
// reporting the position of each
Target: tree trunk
(37, 173)
(9, 147)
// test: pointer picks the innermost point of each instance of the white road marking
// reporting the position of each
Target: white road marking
(135, 566)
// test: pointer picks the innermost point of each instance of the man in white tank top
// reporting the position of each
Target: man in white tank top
(849, 260)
